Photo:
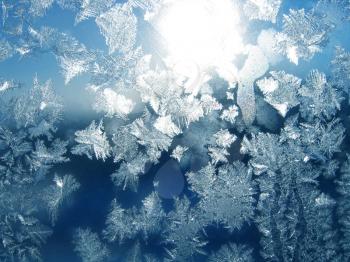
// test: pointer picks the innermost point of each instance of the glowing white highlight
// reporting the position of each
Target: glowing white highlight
(204, 32)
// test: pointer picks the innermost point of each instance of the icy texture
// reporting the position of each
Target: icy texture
(124, 224)
(303, 35)
(89, 246)
(318, 97)
(231, 187)
(255, 66)
(341, 69)
(232, 252)
(263, 143)
(92, 142)
(118, 26)
(265, 10)
(281, 91)
(59, 193)
(92, 8)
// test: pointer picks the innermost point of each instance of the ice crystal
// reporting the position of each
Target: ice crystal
(281, 91)
(118, 26)
(230, 114)
(231, 187)
(124, 224)
(183, 232)
(22, 238)
(223, 140)
(303, 35)
(265, 10)
(318, 97)
(6, 50)
(89, 246)
(178, 152)
(343, 184)
(113, 104)
(92, 142)
(92, 8)
(341, 71)
(58, 193)
(232, 252)
(263, 149)
(39, 109)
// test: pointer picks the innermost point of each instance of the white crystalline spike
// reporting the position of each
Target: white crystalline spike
(167, 126)
(292, 55)
(58, 181)
(224, 138)
(178, 152)
(7, 85)
(281, 108)
(72, 67)
(255, 66)
(43, 105)
(92, 142)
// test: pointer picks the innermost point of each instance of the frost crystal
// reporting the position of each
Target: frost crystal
(303, 35)
(183, 232)
(92, 8)
(73, 57)
(343, 186)
(341, 68)
(113, 104)
(6, 85)
(92, 142)
(218, 152)
(230, 114)
(150, 7)
(288, 184)
(166, 126)
(265, 10)
(127, 176)
(89, 246)
(44, 158)
(22, 238)
(39, 7)
(149, 137)
(6, 50)
(118, 25)
(232, 252)
(39, 109)
(231, 187)
(178, 152)
(281, 91)
(58, 193)
(319, 98)
(124, 224)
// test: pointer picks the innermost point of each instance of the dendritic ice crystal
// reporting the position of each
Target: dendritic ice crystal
(174, 130)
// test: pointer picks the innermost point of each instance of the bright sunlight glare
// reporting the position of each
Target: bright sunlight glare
(202, 31)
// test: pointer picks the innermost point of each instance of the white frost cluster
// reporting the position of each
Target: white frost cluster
(92, 142)
(265, 10)
(119, 26)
